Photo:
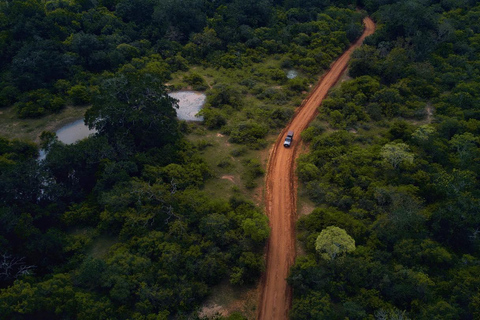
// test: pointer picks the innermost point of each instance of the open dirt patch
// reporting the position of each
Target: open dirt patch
(229, 177)
(213, 310)
(305, 208)
(227, 299)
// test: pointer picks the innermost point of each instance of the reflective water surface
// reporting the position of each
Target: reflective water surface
(73, 132)
(190, 103)
(292, 74)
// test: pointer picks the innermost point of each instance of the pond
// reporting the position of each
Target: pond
(291, 74)
(189, 103)
(73, 132)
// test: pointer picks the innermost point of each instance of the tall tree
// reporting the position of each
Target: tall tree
(334, 241)
(134, 112)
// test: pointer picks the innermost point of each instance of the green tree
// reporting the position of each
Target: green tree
(134, 112)
(315, 305)
(203, 43)
(79, 95)
(396, 153)
(364, 62)
(424, 133)
(223, 95)
(39, 63)
(466, 147)
(333, 242)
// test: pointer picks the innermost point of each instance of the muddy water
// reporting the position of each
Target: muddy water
(73, 132)
(292, 74)
(190, 103)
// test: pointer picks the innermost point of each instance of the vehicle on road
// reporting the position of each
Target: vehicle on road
(288, 139)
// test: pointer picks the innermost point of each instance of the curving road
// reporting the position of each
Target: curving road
(276, 296)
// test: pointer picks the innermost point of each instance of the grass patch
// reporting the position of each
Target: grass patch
(229, 163)
(30, 129)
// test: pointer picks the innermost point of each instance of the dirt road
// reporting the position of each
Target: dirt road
(276, 296)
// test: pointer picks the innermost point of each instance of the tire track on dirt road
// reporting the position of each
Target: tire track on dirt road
(281, 198)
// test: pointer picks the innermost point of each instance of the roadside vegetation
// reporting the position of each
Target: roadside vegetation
(393, 164)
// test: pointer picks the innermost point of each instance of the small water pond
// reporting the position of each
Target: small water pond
(291, 74)
(71, 133)
(74, 131)
(189, 103)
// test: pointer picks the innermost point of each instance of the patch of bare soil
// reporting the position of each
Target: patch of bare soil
(229, 177)
(305, 209)
(280, 198)
(429, 111)
(228, 300)
(212, 310)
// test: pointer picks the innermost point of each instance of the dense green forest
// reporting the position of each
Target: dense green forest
(118, 226)
(393, 170)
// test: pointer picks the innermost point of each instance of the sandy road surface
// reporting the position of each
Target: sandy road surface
(276, 296)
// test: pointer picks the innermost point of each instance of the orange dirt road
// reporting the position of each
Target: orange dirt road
(281, 194)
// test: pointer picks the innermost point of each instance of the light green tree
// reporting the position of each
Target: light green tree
(423, 133)
(396, 153)
(334, 241)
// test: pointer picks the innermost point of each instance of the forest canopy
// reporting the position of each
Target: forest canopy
(118, 225)
(393, 161)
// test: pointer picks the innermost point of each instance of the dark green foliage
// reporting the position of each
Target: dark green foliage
(248, 132)
(406, 191)
(79, 95)
(8, 95)
(213, 118)
(17, 163)
(253, 170)
(314, 130)
(223, 96)
(178, 18)
(280, 116)
(297, 85)
(174, 240)
(39, 63)
(136, 182)
(138, 11)
(133, 112)
(74, 167)
(38, 103)
(196, 81)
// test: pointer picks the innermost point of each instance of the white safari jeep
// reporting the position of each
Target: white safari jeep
(288, 139)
